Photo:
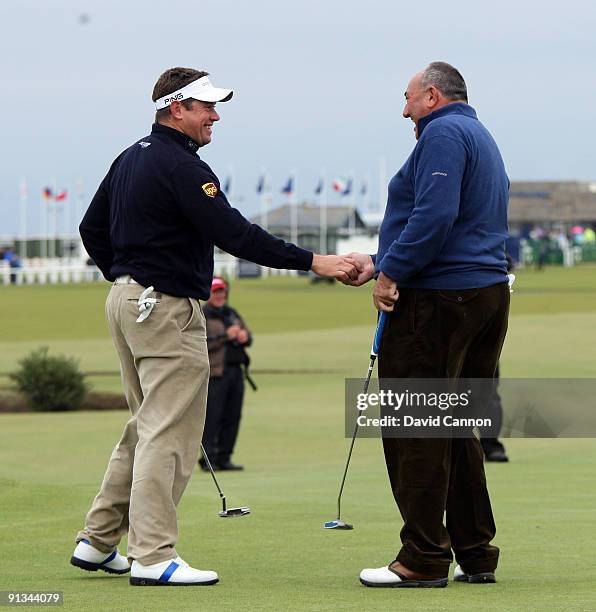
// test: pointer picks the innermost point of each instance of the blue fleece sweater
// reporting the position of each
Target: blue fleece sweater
(446, 219)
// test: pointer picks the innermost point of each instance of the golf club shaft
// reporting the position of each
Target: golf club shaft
(373, 356)
(343, 480)
(206, 458)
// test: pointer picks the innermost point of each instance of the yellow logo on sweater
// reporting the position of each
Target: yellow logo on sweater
(210, 189)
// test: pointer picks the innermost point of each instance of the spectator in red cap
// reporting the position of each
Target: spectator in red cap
(227, 338)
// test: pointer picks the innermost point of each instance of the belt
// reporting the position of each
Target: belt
(125, 279)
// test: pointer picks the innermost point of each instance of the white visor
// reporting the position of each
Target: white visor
(201, 89)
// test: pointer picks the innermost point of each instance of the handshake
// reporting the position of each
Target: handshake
(353, 269)
(356, 269)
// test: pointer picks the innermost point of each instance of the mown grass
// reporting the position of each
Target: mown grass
(293, 446)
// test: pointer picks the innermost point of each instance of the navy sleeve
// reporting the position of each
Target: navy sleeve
(208, 210)
(95, 231)
(439, 167)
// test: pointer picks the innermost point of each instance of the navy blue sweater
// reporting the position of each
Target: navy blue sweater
(160, 210)
(446, 219)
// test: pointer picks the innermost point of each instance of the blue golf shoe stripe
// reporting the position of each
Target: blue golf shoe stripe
(169, 571)
(110, 558)
(86, 542)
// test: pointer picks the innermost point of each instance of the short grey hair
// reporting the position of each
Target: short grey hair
(446, 79)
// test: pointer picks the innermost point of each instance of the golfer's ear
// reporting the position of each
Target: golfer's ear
(176, 110)
(433, 95)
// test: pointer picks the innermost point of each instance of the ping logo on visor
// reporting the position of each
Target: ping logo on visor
(200, 89)
(210, 189)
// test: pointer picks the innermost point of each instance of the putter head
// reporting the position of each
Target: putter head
(232, 512)
(337, 524)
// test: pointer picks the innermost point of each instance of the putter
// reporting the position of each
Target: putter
(338, 523)
(226, 512)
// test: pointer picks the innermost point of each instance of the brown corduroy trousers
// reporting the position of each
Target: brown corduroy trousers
(443, 334)
(165, 374)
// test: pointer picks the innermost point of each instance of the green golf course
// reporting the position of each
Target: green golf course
(308, 339)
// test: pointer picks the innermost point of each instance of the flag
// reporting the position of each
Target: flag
(227, 184)
(47, 193)
(288, 188)
(339, 184)
(348, 188)
(261, 184)
(60, 197)
(319, 187)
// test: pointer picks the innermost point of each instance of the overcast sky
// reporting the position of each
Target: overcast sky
(317, 85)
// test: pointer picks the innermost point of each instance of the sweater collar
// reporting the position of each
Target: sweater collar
(455, 108)
(180, 137)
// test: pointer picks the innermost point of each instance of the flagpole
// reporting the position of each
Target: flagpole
(265, 197)
(43, 250)
(365, 191)
(64, 228)
(323, 215)
(58, 222)
(353, 212)
(293, 211)
(52, 224)
(263, 189)
(80, 204)
(80, 190)
(67, 227)
(23, 211)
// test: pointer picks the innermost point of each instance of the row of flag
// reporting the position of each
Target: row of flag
(341, 185)
(48, 194)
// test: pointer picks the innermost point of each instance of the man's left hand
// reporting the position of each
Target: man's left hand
(385, 293)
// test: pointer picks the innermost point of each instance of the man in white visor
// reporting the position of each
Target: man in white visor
(151, 229)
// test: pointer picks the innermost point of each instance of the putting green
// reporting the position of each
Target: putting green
(292, 444)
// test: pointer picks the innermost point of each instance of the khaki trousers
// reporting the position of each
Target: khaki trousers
(165, 374)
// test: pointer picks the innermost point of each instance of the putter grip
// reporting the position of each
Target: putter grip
(378, 334)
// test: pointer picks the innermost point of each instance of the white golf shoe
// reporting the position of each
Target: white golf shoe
(89, 558)
(384, 577)
(173, 572)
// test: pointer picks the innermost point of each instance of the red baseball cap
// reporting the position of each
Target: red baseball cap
(218, 283)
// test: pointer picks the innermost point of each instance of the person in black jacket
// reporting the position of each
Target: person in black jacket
(493, 449)
(151, 229)
(227, 338)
